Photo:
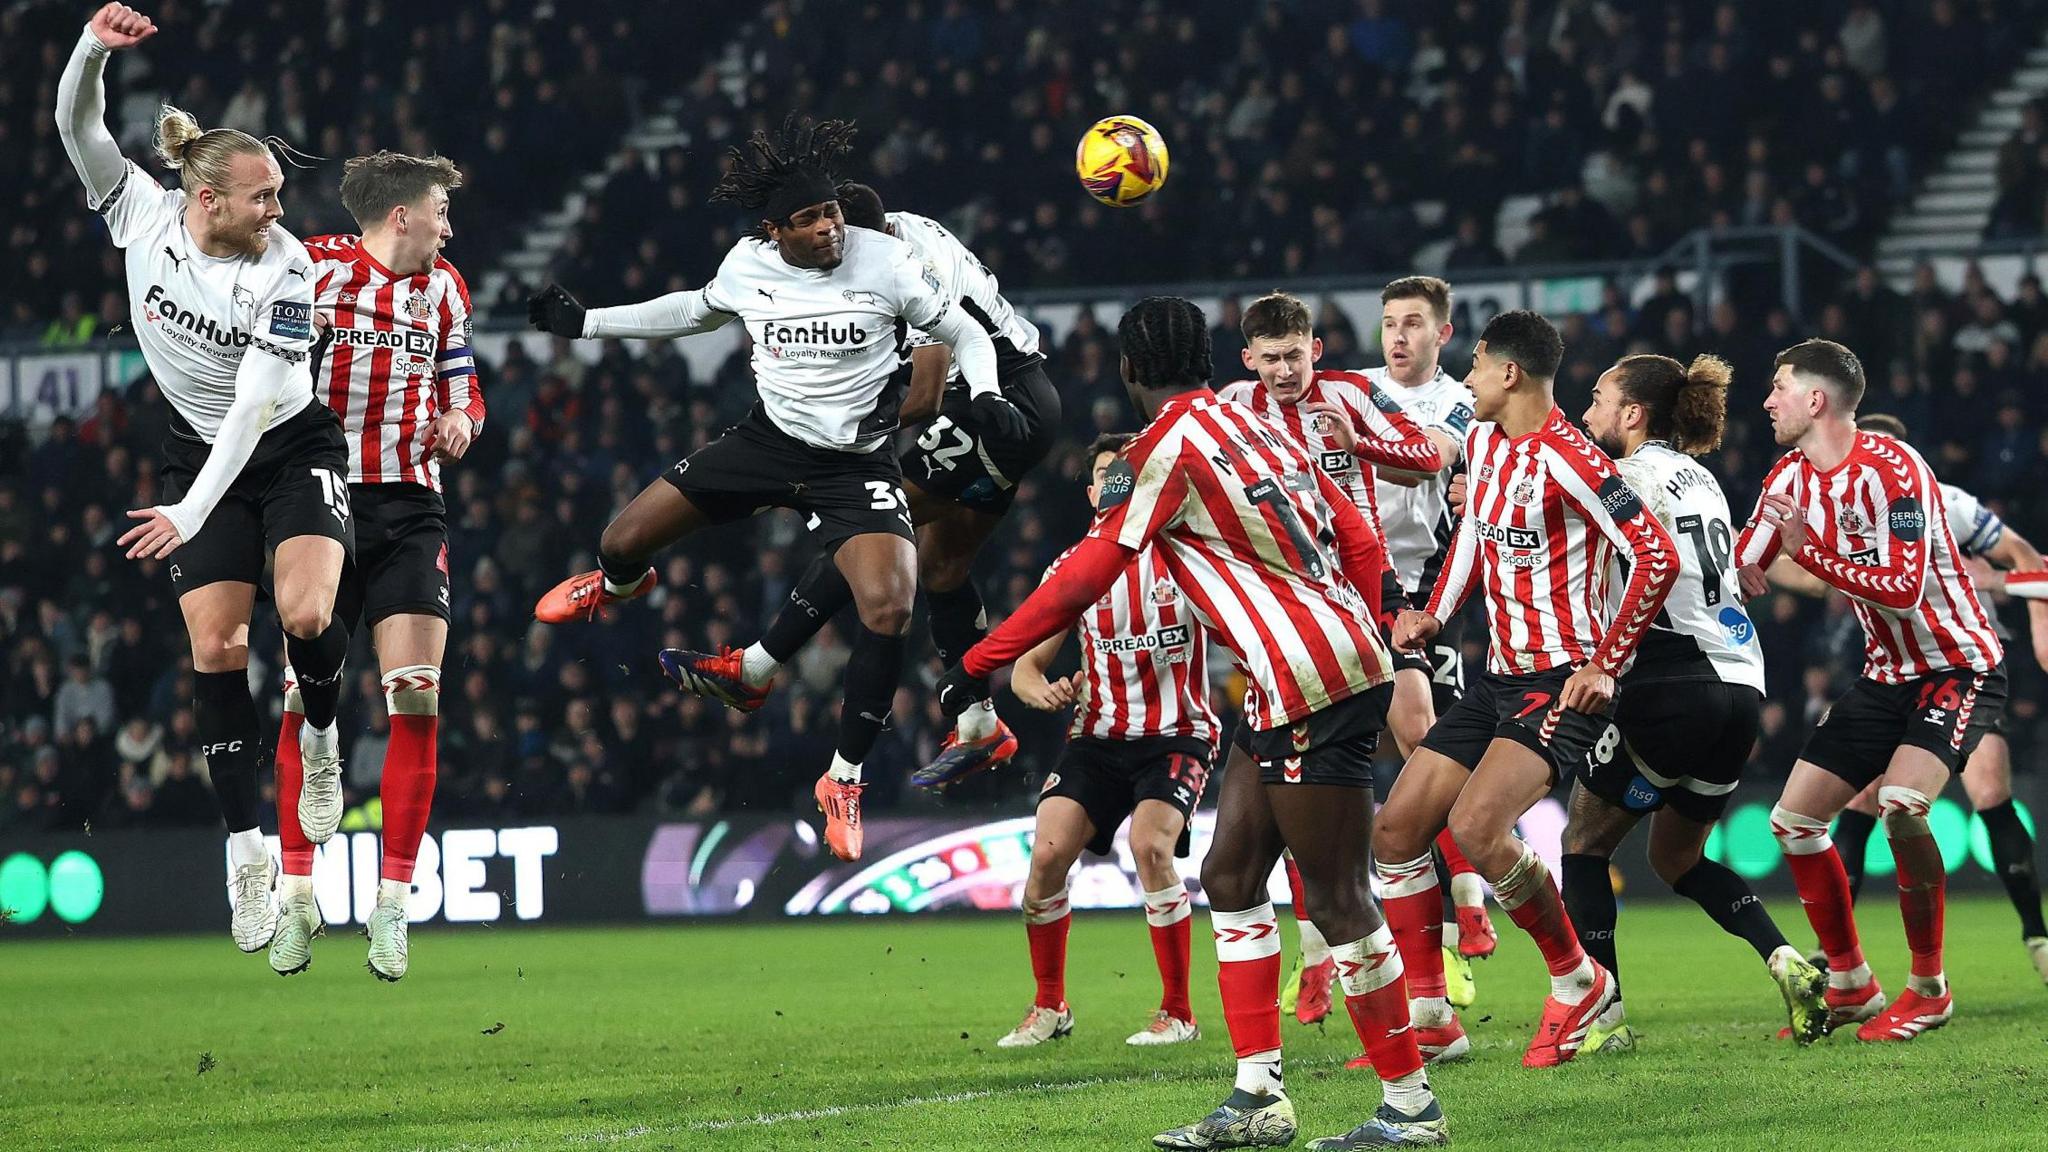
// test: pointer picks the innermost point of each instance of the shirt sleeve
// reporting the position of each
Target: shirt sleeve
(1386, 436)
(1145, 489)
(455, 379)
(1758, 543)
(1596, 492)
(1461, 562)
(1361, 552)
(1898, 581)
(1975, 528)
(1083, 576)
(134, 204)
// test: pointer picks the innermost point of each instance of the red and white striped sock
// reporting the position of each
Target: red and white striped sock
(1530, 898)
(1045, 926)
(1170, 913)
(1248, 976)
(1823, 886)
(1414, 907)
(1377, 998)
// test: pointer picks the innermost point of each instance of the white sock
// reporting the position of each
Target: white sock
(289, 885)
(1855, 977)
(1314, 949)
(1429, 1011)
(247, 847)
(757, 668)
(1451, 936)
(1407, 1094)
(977, 723)
(1468, 890)
(399, 890)
(1933, 985)
(843, 770)
(1574, 986)
(1259, 1073)
(626, 589)
(318, 742)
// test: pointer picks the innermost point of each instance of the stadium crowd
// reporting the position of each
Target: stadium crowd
(1330, 136)
(94, 718)
(1632, 122)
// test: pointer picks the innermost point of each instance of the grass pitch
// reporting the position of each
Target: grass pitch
(881, 1034)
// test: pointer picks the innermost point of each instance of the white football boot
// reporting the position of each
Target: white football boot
(255, 905)
(1038, 1026)
(1164, 1029)
(298, 924)
(320, 791)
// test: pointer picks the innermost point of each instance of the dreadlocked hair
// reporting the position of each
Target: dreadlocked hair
(764, 162)
(1166, 339)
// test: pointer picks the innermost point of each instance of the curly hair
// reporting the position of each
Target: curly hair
(801, 149)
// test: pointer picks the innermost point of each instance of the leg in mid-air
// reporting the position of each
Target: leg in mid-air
(231, 739)
(659, 516)
(881, 567)
(1987, 778)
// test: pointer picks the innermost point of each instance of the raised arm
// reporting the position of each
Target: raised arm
(1599, 495)
(1898, 582)
(82, 99)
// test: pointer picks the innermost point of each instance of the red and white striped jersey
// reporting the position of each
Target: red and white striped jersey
(1246, 526)
(1383, 433)
(397, 356)
(1878, 532)
(1144, 663)
(1544, 515)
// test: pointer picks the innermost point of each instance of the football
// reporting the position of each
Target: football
(1121, 161)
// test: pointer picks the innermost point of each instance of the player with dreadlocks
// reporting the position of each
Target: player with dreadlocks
(829, 309)
(1280, 565)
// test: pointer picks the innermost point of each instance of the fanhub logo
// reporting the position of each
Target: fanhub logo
(450, 876)
(160, 307)
(815, 332)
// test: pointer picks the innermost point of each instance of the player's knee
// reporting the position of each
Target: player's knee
(621, 542)
(305, 616)
(1473, 832)
(887, 618)
(414, 690)
(219, 650)
(942, 573)
(1672, 861)
(1987, 790)
(1152, 853)
(1580, 841)
(1227, 885)
(1904, 810)
(1394, 837)
(1799, 834)
(1408, 729)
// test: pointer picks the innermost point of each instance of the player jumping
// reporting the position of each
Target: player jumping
(397, 366)
(1340, 419)
(1277, 562)
(1987, 775)
(1140, 747)
(1545, 513)
(222, 301)
(961, 473)
(1862, 512)
(828, 309)
(1690, 707)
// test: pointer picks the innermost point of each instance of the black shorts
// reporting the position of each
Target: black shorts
(1675, 743)
(295, 484)
(756, 465)
(1524, 709)
(1333, 746)
(949, 459)
(1108, 778)
(401, 561)
(1947, 713)
(1443, 661)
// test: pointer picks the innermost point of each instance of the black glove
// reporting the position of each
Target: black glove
(997, 419)
(958, 691)
(554, 310)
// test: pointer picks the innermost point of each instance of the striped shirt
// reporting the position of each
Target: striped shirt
(1879, 532)
(1545, 515)
(1144, 668)
(1245, 525)
(397, 356)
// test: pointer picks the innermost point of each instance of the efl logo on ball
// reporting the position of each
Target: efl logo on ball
(1121, 160)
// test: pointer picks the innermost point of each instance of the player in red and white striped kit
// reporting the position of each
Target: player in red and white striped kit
(1353, 431)
(1280, 566)
(1142, 741)
(1863, 512)
(1545, 513)
(396, 366)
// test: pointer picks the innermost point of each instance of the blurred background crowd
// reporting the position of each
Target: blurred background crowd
(1311, 138)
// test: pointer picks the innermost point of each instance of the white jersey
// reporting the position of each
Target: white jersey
(1418, 520)
(828, 343)
(1702, 633)
(970, 283)
(195, 314)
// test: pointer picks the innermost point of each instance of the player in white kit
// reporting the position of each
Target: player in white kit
(221, 299)
(829, 309)
(1690, 706)
(960, 476)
